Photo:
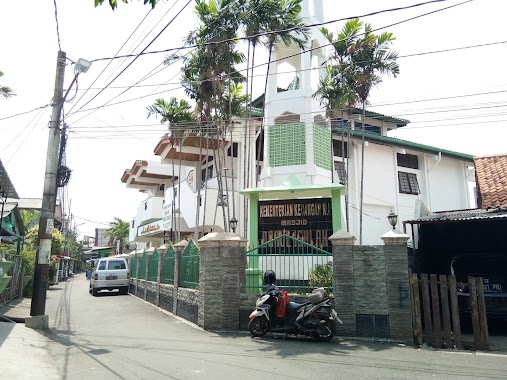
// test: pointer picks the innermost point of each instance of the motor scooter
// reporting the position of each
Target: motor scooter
(274, 313)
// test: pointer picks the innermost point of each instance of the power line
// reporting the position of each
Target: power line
(311, 49)
(152, 73)
(137, 56)
(41, 113)
(24, 113)
(288, 72)
(274, 31)
(102, 72)
(186, 126)
(91, 221)
(57, 26)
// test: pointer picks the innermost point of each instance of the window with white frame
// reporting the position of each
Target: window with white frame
(408, 183)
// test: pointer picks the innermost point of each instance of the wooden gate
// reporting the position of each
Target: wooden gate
(435, 311)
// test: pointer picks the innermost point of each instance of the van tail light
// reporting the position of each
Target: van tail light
(96, 277)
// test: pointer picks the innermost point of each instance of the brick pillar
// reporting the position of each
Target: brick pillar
(221, 271)
(149, 253)
(139, 253)
(178, 250)
(398, 291)
(343, 281)
(161, 251)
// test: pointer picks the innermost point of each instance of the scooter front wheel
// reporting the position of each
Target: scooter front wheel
(258, 326)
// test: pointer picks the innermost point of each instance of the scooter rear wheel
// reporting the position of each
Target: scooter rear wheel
(258, 326)
(326, 331)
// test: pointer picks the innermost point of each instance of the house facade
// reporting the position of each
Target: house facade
(193, 186)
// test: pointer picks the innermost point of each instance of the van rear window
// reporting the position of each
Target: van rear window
(116, 264)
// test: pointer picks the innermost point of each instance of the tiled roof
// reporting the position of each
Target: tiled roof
(491, 173)
(461, 215)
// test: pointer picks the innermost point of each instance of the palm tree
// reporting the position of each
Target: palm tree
(119, 232)
(209, 69)
(178, 115)
(5, 92)
(335, 89)
(372, 57)
(359, 61)
(254, 19)
(274, 17)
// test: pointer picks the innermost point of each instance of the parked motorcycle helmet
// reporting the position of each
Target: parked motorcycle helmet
(269, 277)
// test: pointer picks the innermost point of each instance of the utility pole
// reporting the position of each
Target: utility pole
(46, 222)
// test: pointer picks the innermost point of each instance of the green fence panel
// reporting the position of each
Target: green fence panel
(300, 267)
(154, 267)
(189, 269)
(142, 267)
(168, 267)
(133, 266)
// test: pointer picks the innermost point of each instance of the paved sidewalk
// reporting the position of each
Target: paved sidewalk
(23, 351)
(24, 354)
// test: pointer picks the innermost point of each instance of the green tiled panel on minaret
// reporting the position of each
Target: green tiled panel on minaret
(322, 146)
(287, 145)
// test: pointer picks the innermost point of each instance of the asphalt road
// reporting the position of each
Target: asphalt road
(122, 337)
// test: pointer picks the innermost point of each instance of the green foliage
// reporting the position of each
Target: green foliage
(173, 112)
(28, 256)
(30, 218)
(10, 249)
(321, 275)
(114, 3)
(72, 245)
(5, 92)
(56, 244)
(357, 64)
(52, 272)
(119, 231)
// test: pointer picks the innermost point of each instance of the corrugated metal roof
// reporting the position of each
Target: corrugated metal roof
(387, 140)
(461, 215)
(6, 186)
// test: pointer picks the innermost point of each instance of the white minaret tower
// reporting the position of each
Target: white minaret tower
(298, 140)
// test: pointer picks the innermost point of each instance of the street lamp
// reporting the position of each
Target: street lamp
(393, 219)
(82, 65)
(233, 223)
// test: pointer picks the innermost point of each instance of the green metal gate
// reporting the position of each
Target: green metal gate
(300, 267)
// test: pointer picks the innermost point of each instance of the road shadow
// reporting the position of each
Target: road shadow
(290, 346)
(5, 329)
(19, 307)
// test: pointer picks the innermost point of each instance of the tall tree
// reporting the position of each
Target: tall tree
(360, 60)
(180, 118)
(335, 89)
(119, 231)
(372, 58)
(5, 92)
(209, 70)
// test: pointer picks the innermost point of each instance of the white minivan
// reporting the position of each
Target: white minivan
(110, 273)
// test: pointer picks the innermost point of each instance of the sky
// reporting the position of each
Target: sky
(454, 99)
